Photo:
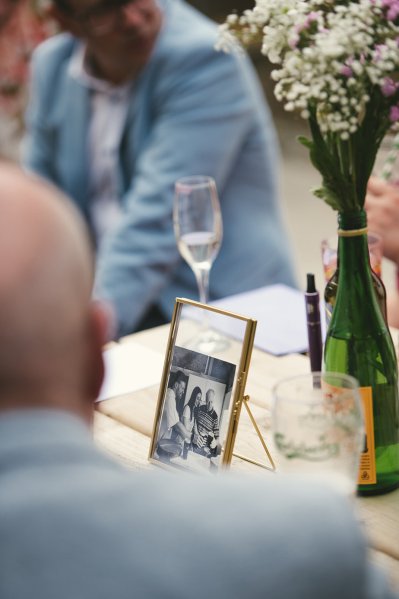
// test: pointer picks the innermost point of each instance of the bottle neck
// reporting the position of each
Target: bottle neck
(353, 249)
(353, 222)
(356, 304)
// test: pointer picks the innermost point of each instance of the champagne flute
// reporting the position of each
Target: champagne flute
(198, 228)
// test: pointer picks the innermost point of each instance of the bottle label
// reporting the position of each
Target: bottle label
(367, 470)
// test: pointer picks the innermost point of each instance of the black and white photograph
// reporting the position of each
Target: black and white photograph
(194, 415)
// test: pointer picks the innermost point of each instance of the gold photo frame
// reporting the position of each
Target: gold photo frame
(202, 388)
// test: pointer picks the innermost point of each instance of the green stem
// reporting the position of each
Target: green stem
(352, 162)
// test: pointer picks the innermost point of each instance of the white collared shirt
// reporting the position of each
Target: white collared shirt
(108, 111)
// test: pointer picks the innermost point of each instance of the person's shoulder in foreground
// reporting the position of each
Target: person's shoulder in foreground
(75, 524)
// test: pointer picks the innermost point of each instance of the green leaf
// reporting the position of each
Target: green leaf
(305, 141)
(329, 196)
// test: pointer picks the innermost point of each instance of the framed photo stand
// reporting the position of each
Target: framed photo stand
(203, 389)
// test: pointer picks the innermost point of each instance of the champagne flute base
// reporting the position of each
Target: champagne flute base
(210, 342)
(207, 341)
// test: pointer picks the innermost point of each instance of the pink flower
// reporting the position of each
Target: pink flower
(303, 27)
(311, 18)
(393, 12)
(392, 7)
(394, 114)
(389, 87)
(378, 51)
(346, 71)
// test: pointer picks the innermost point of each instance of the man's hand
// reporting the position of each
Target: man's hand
(382, 205)
(183, 432)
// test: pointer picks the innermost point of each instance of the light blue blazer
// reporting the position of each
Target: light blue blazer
(192, 111)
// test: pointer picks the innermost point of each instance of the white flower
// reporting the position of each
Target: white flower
(232, 19)
(331, 55)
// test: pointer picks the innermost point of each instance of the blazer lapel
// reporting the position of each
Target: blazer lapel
(75, 143)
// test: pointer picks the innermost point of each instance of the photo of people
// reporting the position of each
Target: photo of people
(195, 411)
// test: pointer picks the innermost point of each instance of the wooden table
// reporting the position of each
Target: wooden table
(123, 427)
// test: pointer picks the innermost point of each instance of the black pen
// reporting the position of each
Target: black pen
(312, 301)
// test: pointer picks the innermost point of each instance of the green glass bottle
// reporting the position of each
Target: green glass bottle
(359, 343)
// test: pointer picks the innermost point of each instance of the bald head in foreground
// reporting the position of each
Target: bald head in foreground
(52, 334)
(76, 525)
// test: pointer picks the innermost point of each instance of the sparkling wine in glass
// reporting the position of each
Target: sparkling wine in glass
(198, 227)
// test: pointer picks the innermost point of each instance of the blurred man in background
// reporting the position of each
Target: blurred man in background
(133, 97)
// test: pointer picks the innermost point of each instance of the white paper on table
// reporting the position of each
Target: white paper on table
(281, 315)
(129, 367)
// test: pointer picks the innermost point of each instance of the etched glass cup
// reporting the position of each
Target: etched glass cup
(317, 425)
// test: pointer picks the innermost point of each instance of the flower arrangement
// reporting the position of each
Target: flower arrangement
(337, 62)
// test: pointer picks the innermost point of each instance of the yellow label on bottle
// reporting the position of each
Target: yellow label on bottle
(367, 470)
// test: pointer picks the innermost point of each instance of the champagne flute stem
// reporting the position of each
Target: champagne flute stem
(202, 276)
